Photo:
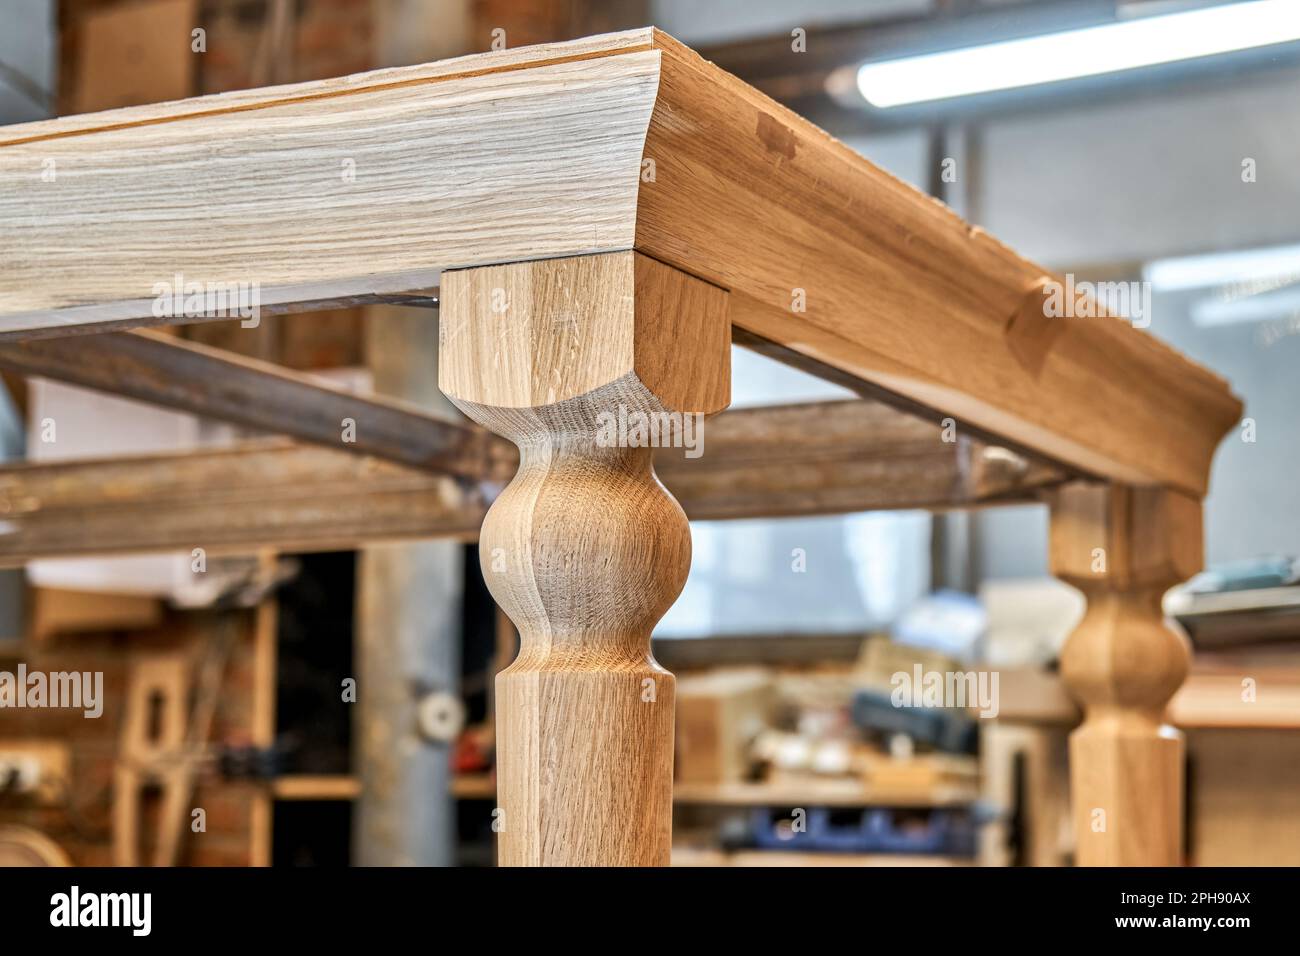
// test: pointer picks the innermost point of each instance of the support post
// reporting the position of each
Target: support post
(408, 633)
(1124, 547)
(585, 363)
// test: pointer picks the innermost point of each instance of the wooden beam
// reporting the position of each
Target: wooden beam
(627, 141)
(831, 457)
(263, 494)
(838, 261)
(880, 396)
(841, 457)
(213, 383)
(822, 458)
(316, 787)
(483, 137)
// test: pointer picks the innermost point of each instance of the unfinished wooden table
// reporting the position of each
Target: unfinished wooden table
(604, 218)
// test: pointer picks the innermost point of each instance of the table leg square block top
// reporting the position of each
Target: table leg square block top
(600, 220)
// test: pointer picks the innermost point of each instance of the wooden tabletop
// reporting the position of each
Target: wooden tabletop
(366, 187)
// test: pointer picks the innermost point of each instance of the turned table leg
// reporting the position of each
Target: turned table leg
(585, 363)
(1124, 547)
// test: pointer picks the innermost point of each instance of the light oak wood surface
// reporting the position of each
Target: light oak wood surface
(315, 787)
(841, 457)
(236, 500)
(627, 141)
(1124, 547)
(226, 187)
(214, 383)
(629, 203)
(820, 458)
(585, 550)
(814, 458)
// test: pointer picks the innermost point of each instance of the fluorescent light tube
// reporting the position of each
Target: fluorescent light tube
(1263, 307)
(1076, 53)
(1223, 268)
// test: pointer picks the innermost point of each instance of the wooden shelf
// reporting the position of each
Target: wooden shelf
(829, 793)
(1211, 697)
(478, 786)
(474, 786)
(316, 787)
(697, 856)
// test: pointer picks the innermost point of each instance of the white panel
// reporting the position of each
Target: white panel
(1147, 178)
(905, 154)
(27, 39)
(720, 21)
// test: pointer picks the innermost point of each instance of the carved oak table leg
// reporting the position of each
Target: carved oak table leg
(1124, 547)
(585, 363)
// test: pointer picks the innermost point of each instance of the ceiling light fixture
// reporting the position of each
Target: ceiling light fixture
(1072, 54)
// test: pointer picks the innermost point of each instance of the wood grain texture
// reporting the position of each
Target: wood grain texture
(603, 145)
(1246, 799)
(1124, 547)
(837, 458)
(186, 376)
(534, 334)
(821, 458)
(250, 186)
(237, 500)
(585, 550)
(899, 291)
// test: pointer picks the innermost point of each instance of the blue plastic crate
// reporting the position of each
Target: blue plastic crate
(945, 832)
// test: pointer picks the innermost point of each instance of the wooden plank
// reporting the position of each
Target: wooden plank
(1213, 697)
(898, 291)
(537, 153)
(270, 493)
(259, 495)
(315, 787)
(55, 612)
(188, 376)
(774, 651)
(262, 721)
(840, 457)
(852, 456)
(832, 792)
(481, 138)
(474, 786)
